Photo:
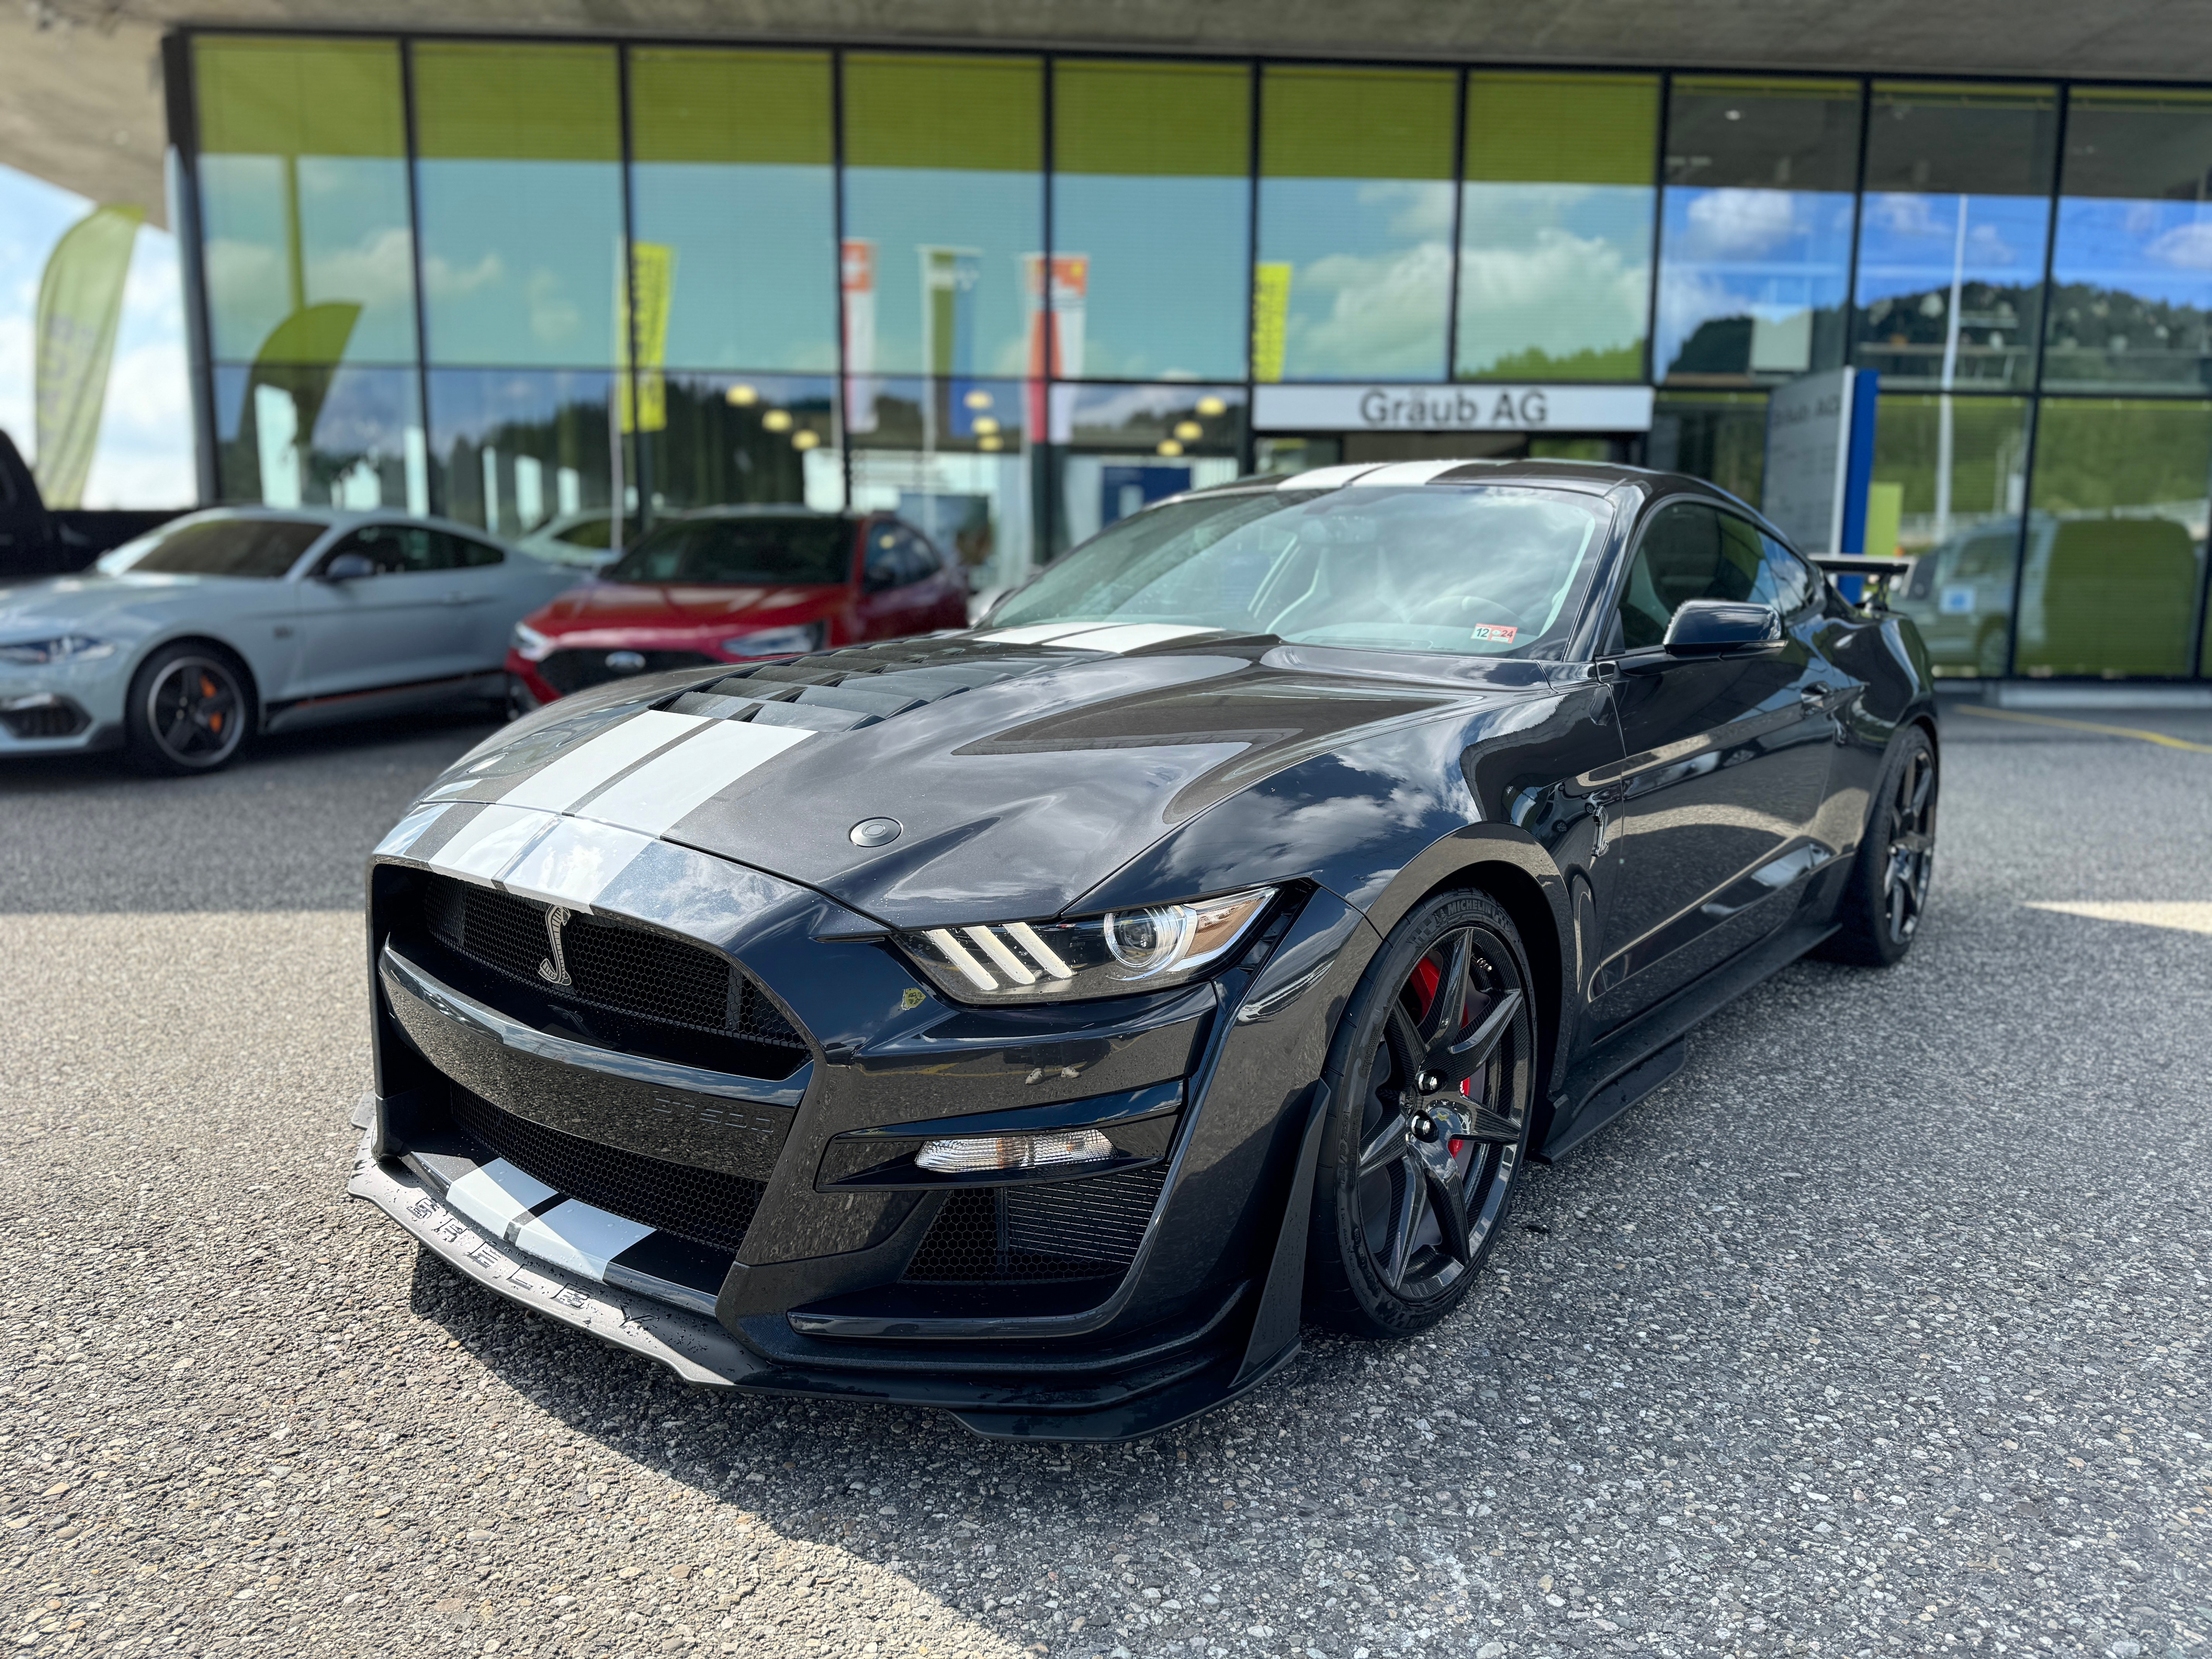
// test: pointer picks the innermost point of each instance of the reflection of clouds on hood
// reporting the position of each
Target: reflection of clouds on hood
(1385, 313)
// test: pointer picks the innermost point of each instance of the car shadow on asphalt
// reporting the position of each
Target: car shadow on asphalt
(463, 728)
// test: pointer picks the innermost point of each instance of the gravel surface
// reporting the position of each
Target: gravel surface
(1881, 1330)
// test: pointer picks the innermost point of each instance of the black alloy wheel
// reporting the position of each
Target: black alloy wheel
(1909, 863)
(189, 710)
(1887, 898)
(1431, 1079)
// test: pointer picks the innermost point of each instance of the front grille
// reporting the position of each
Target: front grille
(704, 1205)
(59, 718)
(626, 971)
(577, 671)
(1039, 1231)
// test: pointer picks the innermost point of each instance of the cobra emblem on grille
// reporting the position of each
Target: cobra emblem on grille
(555, 968)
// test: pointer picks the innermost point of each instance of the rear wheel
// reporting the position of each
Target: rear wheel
(1888, 897)
(189, 710)
(1431, 1077)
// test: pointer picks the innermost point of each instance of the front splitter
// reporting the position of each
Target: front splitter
(699, 1350)
(694, 1347)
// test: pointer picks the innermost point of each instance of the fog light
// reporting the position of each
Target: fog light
(1013, 1151)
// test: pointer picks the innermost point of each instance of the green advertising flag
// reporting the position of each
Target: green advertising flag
(80, 302)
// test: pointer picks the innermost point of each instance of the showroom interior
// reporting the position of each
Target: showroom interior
(1014, 295)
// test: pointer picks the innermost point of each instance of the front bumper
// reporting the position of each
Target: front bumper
(541, 1152)
(1150, 1388)
(63, 709)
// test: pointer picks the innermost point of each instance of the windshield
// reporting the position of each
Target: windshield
(810, 549)
(267, 548)
(1487, 570)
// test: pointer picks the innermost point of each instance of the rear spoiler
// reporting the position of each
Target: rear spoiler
(1877, 574)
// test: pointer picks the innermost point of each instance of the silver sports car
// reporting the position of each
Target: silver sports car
(182, 644)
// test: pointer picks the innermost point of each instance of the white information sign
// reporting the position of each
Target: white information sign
(1359, 408)
(1809, 428)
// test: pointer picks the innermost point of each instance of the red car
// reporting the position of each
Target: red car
(734, 583)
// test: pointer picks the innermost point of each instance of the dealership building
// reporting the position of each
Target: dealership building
(1014, 270)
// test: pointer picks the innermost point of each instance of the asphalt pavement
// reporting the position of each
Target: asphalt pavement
(1881, 1330)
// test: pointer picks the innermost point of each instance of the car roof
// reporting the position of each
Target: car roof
(339, 517)
(1594, 478)
(760, 510)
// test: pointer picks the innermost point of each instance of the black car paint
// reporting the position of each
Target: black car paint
(1357, 781)
(38, 540)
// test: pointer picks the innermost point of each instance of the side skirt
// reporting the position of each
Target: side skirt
(1633, 1061)
(491, 686)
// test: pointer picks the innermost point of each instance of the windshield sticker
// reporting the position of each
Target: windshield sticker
(1494, 634)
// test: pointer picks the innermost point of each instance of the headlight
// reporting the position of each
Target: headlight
(69, 647)
(776, 641)
(531, 645)
(1108, 956)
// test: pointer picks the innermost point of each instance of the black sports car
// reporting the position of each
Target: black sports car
(1039, 1021)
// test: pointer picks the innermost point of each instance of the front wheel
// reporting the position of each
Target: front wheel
(189, 711)
(1887, 897)
(1432, 1078)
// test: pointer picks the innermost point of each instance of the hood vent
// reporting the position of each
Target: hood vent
(844, 691)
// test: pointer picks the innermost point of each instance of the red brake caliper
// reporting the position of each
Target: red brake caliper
(1426, 975)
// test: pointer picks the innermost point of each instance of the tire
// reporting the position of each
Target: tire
(1408, 1142)
(1888, 896)
(190, 710)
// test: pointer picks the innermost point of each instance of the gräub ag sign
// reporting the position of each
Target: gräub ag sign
(1356, 407)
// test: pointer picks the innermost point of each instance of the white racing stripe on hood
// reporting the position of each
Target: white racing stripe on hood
(409, 830)
(1096, 636)
(666, 787)
(1036, 633)
(1135, 637)
(1327, 477)
(1409, 472)
(491, 840)
(575, 864)
(580, 1237)
(562, 782)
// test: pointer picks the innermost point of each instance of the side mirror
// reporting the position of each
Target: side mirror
(877, 578)
(1716, 628)
(349, 567)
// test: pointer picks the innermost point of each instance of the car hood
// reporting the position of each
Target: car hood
(125, 604)
(596, 607)
(1020, 775)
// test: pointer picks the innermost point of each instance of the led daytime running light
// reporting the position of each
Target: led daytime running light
(970, 1154)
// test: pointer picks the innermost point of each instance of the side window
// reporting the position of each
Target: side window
(1684, 554)
(396, 549)
(1789, 585)
(466, 553)
(898, 557)
(921, 559)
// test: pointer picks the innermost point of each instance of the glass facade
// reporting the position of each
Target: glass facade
(1556, 218)
(1353, 280)
(1016, 295)
(1756, 229)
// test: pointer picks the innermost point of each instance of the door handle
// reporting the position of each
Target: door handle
(1815, 696)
